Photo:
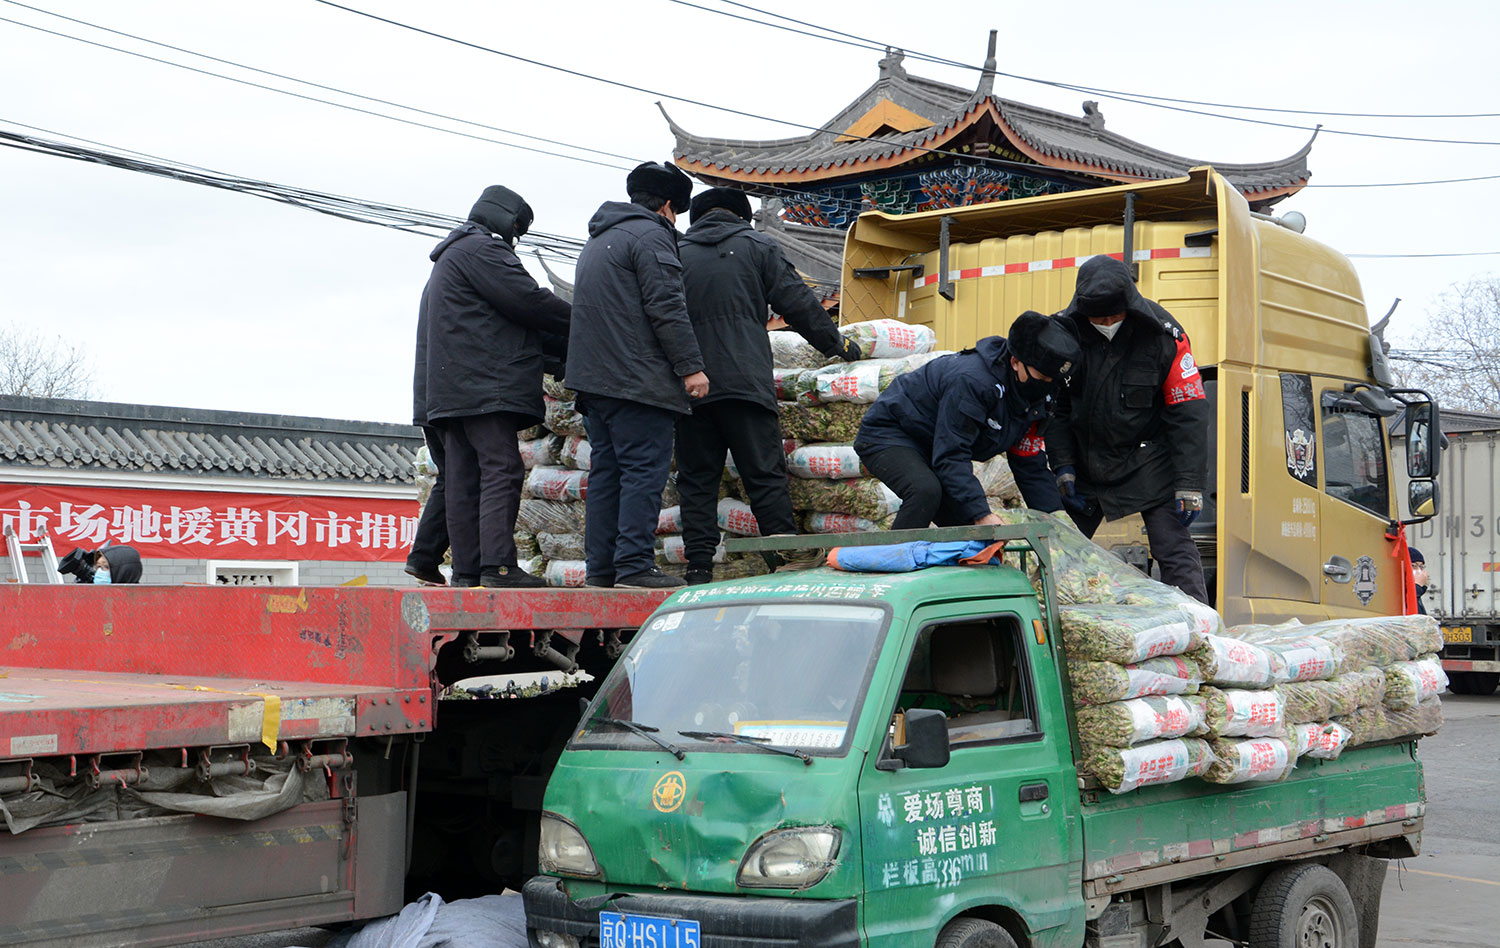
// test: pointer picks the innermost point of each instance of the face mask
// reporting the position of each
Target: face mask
(1035, 390)
(1108, 332)
(101, 576)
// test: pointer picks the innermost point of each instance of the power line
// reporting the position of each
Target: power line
(310, 98)
(868, 43)
(1407, 184)
(1413, 256)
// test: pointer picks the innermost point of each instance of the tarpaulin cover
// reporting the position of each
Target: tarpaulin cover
(492, 921)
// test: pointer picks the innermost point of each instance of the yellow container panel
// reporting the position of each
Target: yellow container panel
(1312, 311)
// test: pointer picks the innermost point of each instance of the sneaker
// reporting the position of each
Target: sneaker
(794, 560)
(461, 581)
(509, 577)
(652, 578)
(429, 575)
(600, 582)
(697, 577)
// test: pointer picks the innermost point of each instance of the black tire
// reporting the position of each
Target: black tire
(974, 933)
(1304, 906)
(1461, 683)
(1483, 683)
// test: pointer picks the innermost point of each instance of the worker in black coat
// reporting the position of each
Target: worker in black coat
(731, 274)
(482, 329)
(1131, 433)
(635, 363)
(924, 433)
(110, 565)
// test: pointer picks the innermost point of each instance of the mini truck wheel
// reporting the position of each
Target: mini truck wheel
(974, 933)
(1305, 906)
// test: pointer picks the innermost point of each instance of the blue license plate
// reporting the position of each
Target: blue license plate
(619, 930)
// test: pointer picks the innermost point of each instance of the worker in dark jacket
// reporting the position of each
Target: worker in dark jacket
(636, 365)
(482, 329)
(110, 565)
(924, 433)
(731, 274)
(1131, 433)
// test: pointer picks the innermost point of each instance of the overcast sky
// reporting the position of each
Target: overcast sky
(190, 296)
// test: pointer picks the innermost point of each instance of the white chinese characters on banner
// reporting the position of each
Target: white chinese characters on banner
(192, 524)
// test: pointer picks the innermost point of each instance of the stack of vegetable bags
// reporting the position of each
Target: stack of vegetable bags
(1163, 692)
(549, 526)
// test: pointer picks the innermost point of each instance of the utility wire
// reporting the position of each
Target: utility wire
(1415, 256)
(310, 98)
(868, 43)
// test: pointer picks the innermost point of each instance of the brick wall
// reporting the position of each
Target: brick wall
(162, 572)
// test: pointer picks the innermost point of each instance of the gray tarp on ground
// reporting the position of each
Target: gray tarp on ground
(494, 921)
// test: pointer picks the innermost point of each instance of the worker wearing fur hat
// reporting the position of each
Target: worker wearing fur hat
(1131, 434)
(923, 433)
(635, 362)
(732, 274)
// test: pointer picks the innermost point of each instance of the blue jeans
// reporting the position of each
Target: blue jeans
(631, 447)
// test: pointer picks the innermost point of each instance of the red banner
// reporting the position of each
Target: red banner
(205, 525)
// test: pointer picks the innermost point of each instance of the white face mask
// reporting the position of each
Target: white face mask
(1108, 332)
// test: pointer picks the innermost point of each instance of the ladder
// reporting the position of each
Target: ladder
(42, 548)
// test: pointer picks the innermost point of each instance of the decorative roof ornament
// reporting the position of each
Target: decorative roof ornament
(986, 85)
(1093, 116)
(890, 66)
(768, 217)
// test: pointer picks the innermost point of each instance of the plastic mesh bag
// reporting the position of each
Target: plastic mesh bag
(1326, 740)
(568, 574)
(1423, 718)
(890, 338)
(998, 482)
(790, 351)
(836, 422)
(1309, 658)
(1305, 702)
(1123, 723)
(563, 418)
(1103, 682)
(526, 545)
(1227, 661)
(735, 516)
(831, 461)
(540, 452)
(1408, 684)
(1236, 712)
(1122, 769)
(672, 551)
(669, 521)
(1256, 759)
(1126, 634)
(825, 522)
(861, 496)
(561, 546)
(575, 452)
(1367, 724)
(550, 516)
(1379, 640)
(785, 381)
(553, 386)
(557, 483)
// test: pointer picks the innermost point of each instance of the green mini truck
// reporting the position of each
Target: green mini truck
(835, 759)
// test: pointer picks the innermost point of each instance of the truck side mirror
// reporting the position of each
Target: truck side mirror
(1422, 500)
(1421, 448)
(926, 739)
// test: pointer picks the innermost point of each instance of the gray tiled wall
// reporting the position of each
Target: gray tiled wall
(310, 573)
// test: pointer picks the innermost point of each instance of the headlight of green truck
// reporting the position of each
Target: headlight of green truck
(564, 850)
(794, 858)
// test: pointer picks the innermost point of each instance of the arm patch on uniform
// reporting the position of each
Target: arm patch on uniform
(1183, 383)
(1031, 444)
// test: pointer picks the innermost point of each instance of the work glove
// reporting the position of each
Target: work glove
(1189, 505)
(851, 352)
(1067, 481)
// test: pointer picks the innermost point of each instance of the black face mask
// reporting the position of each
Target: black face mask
(1035, 390)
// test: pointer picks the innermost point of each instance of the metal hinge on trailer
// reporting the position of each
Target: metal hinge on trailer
(16, 776)
(122, 768)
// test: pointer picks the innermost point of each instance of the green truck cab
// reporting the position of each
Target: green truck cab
(831, 759)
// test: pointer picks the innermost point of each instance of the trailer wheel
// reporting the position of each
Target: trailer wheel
(1304, 906)
(1460, 683)
(1483, 683)
(974, 933)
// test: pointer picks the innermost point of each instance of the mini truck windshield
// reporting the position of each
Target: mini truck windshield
(789, 675)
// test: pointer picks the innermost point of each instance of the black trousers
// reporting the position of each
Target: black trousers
(482, 490)
(631, 455)
(753, 435)
(1171, 544)
(907, 472)
(431, 541)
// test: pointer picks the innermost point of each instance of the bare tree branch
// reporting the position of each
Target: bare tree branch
(1455, 355)
(41, 366)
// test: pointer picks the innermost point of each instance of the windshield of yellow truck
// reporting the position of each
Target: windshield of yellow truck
(787, 675)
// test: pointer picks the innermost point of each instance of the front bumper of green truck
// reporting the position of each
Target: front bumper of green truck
(726, 921)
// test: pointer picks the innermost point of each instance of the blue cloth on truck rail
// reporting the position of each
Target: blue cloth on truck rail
(903, 557)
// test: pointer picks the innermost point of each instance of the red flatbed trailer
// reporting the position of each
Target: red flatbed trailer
(111, 692)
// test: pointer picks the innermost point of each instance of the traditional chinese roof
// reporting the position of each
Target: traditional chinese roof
(66, 434)
(902, 118)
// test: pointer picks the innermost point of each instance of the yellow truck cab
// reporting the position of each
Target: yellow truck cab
(1301, 504)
